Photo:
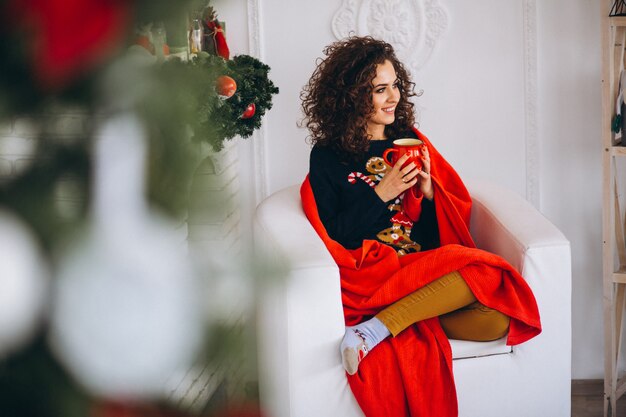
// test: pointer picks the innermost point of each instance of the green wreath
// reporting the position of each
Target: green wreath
(219, 119)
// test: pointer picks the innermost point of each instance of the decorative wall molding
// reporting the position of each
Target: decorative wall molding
(258, 136)
(412, 27)
(533, 167)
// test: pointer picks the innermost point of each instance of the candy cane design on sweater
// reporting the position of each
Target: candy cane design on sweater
(352, 178)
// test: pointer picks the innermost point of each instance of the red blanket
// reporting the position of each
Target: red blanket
(411, 374)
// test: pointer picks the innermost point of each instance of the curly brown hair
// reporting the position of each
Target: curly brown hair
(337, 100)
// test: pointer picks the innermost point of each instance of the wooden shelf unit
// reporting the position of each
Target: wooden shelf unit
(618, 150)
(613, 224)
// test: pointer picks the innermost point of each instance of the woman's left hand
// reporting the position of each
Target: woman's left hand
(425, 182)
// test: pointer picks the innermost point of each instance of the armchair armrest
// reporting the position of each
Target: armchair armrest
(504, 223)
(300, 317)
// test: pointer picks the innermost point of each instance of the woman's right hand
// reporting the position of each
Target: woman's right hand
(396, 181)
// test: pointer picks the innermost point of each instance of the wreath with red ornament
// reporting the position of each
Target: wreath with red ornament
(232, 95)
(236, 95)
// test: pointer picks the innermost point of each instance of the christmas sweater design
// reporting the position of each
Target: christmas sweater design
(399, 234)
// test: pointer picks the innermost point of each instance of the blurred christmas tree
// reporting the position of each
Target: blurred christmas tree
(73, 54)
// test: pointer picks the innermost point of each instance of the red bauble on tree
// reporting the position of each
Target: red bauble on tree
(249, 112)
(225, 86)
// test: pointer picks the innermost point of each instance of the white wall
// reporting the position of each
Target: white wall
(569, 101)
(494, 112)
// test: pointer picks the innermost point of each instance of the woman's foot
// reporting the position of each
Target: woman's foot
(359, 340)
(353, 350)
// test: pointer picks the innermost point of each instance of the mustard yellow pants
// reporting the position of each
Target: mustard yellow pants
(460, 315)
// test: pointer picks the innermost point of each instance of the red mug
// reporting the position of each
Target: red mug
(410, 146)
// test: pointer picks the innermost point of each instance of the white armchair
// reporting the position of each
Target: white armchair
(301, 323)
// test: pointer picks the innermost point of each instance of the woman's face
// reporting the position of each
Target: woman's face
(385, 97)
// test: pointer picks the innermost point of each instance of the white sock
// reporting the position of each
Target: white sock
(359, 340)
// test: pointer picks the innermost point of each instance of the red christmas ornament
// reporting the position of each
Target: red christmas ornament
(225, 86)
(69, 38)
(249, 112)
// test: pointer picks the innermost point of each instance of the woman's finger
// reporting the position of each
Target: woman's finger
(423, 174)
(426, 161)
(410, 167)
(411, 174)
(408, 183)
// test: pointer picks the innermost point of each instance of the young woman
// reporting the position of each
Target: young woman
(394, 230)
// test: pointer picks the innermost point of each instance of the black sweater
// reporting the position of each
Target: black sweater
(350, 209)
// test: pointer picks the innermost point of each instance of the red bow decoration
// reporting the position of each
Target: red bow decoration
(219, 40)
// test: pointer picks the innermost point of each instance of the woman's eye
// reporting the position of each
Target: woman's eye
(380, 90)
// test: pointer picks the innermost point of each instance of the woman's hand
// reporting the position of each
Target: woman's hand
(425, 181)
(397, 181)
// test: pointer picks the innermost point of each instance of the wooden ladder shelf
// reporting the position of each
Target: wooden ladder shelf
(613, 221)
